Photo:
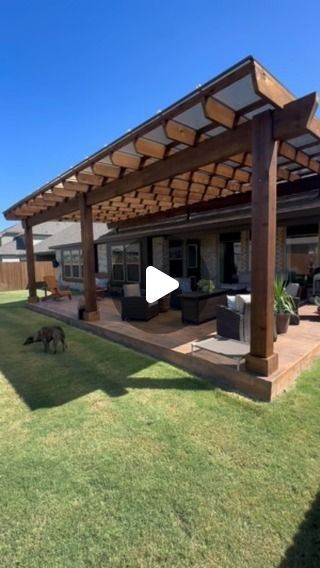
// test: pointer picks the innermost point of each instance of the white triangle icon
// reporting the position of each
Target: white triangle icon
(158, 284)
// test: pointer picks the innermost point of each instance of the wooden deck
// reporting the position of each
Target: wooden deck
(166, 338)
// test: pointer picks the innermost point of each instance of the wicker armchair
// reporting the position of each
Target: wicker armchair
(233, 324)
(134, 306)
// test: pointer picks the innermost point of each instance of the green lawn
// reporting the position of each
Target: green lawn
(109, 458)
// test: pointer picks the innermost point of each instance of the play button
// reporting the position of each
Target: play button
(158, 284)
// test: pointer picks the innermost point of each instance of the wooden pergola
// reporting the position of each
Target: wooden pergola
(242, 132)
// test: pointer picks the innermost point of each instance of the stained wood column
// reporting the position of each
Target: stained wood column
(32, 299)
(91, 312)
(262, 359)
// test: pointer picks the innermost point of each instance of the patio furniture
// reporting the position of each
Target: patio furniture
(185, 286)
(102, 285)
(294, 291)
(316, 284)
(198, 307)
(233, 319)
(53, 287)
(222, 346)
(134, 306)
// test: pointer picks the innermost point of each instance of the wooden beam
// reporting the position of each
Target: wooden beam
(150, 148)
(267, 86)
(50, 197)
(219, 112)
(74, 185)
(62, 192)
(125, 160)
(88, 177)
(262, 359)
(295, 118)
(91, 311)
(32, 299)
(180, 132)
(106, 170)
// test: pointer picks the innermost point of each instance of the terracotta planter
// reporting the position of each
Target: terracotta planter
(282, 321)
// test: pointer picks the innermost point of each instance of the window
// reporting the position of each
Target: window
(117, 255)
(126, 262)
(192, 257)
(102, 258)
(176, 258)
(133, 262)
(230, 254)
(302, 249)
(72, 263)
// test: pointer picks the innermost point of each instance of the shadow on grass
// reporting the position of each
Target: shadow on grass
(305, 549)
(89, 364)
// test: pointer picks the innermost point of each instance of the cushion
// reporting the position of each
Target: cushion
(131, 290)
(293, 289)
(231, 303)
(184, 284)
(102, 282)
(241, 301)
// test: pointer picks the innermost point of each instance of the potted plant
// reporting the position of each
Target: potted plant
(206, 285)
(283, 306)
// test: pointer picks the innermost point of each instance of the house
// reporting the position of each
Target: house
(67, 249)
(12, 241)
(223, 184)
(216, 244)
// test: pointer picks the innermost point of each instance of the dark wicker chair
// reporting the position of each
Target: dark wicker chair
(235, 325)
(134, 306)
(232, 324)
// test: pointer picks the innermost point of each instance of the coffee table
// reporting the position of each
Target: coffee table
(198, 307)
(230, 348)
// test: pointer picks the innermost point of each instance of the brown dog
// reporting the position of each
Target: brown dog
(46, 335)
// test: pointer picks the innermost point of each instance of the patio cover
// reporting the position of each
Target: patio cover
(196, 151)
(238, 136)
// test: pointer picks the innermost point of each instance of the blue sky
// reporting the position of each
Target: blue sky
(77, 74)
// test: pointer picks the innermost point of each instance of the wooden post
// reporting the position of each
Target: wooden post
(262, 359)
(91, 312)
(32, 299)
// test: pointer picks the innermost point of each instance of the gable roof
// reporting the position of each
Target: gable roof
(72, 236)
(60, 235)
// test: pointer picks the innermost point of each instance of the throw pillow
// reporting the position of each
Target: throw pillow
(231, 302)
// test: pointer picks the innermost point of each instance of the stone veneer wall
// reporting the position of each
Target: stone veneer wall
(209, 250)
(244, 251)
(160, 253)
(281, 260)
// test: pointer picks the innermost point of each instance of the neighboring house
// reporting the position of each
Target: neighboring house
(7, 235)
(12, 241)
(66, 246)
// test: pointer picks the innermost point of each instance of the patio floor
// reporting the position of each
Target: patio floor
(166, 338)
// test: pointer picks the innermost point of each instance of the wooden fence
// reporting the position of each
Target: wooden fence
(13, 275)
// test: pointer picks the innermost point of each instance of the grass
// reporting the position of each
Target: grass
(109, 458)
